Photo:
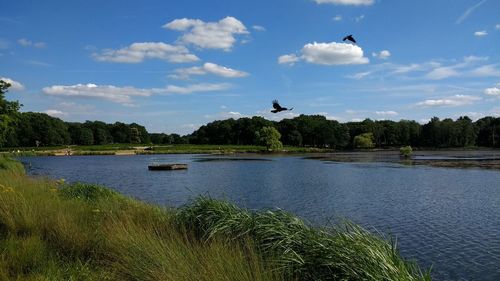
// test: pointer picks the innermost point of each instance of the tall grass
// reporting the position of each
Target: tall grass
(50, 230)
(344, 252)
(54, 231)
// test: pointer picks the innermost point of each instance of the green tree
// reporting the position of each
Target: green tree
(364, 141)
(86, 136)
(135, 135)
(270, 137)
(8, 115)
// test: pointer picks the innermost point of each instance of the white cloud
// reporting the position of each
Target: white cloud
(327, 54)
(288, 59)
(456, 100)
(194, 88)
(442, 73)
(232, 114)
(360, 75)
(210, 35)
(386, 113)
(462, 68)
(486, 70)
(480, 33)
(27, 43)
(384, 54)
(493, 92)
(14, 85)
(225, 115)
(469, 11)
(407, 68)
(346, 2)
(259, 28)
(121, 95)
(333, 54)
(207, 68)
(497, 27)
(138, 52)
(54, 112)
(337, 18)
(330, 117)
(124, 95)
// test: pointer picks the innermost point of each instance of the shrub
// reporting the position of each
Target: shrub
(405, 151)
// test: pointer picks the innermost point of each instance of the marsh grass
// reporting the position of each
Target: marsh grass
(50, 230)
(343, 252)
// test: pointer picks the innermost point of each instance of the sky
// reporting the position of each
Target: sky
(173, 66)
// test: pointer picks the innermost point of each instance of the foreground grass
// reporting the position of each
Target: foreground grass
(50, 230)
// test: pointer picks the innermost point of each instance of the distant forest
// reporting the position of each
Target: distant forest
(30, 129)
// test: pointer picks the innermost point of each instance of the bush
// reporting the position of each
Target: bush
(364, 141)
(405, 151)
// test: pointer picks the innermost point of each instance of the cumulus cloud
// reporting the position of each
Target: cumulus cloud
(346, 2)
(480, 33)
(328, 54)
(54, 112)
(259, 28)
(456, 100)
(497, 27)
(493, 92)
(288, 59)
(384, 54)
(138, 52)
(121, 95)
(125, 95)
(14, 85)
(337, 18)
(27, 43)
(194, 88)
(333, 54)
(208, 68)
(209, 35)
(388, 113)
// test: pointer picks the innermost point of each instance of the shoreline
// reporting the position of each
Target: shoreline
(61, 231)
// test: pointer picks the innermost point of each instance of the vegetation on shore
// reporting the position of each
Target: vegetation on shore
(50, 230)
(131, 149)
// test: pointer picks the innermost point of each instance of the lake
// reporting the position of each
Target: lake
(444, 217)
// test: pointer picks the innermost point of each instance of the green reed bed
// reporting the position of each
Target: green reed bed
(51, 230)
(344, 252)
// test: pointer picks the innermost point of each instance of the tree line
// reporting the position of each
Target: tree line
(317, 131)
(30, 129)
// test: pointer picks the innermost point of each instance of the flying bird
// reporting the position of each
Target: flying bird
(277, 107)
(350, 38)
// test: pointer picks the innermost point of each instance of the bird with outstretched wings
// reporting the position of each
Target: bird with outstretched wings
(350, 38)
(277, 107)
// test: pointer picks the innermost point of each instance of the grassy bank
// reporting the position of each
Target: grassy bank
(131, 149)
(50, 230)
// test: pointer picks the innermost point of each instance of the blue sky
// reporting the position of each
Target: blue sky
(175, 65)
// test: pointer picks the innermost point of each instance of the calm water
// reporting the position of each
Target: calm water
(447, 218)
